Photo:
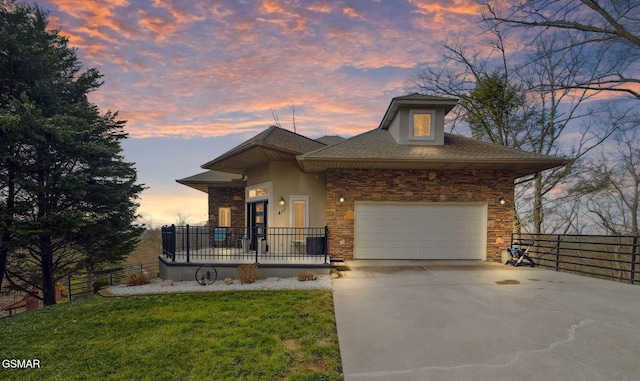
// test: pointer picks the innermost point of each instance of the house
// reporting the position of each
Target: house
(404, 190)
(31, 301)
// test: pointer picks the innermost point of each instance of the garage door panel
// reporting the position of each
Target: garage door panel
(420, 231)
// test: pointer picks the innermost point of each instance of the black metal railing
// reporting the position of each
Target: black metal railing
(610, 257)
(84, 283)
(242, 245)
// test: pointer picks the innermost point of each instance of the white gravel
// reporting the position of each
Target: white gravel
(323, 282)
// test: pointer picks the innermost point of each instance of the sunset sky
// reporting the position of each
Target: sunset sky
(195, 78)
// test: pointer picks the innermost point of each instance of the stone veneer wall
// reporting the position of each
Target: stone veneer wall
(221, 197)
(419, 186)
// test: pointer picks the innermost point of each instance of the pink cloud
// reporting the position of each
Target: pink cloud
(97, 17)
(322, 8)
(183, 12)
(350, 12)
(182, 68)
(161, 28)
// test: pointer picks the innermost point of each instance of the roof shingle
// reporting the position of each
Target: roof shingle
(378, 149)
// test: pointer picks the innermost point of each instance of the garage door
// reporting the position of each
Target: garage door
(387, 230)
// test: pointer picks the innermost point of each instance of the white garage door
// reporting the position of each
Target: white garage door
(391, 230)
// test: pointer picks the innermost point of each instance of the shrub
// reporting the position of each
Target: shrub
(302, 277)
(99, 284)
(248, 273)
(228, 281)
(138, 279)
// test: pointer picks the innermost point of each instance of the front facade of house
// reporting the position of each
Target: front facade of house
(405, 190)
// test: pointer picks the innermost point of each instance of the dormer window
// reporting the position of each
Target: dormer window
(422, 125)
(417, 119)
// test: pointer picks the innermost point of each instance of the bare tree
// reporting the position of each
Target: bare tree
(610, 186)
(554, 109)
(608, 29)
(181, 219)
(459, 72)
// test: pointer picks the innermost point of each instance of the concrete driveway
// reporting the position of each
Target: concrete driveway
(469, 320)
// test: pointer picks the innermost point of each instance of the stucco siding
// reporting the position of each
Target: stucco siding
(288, 180)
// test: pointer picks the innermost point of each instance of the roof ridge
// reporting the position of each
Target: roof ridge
(297, 134)
(268, 131)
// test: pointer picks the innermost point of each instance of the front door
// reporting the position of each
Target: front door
(257, 222)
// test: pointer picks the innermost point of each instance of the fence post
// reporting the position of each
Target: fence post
(257, 239)
(69, 280)
(558, 253)
(326, 243)
(187, 235)
(173, 242)
(634, 254)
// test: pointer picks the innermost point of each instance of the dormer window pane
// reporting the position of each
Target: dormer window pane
(422, 125)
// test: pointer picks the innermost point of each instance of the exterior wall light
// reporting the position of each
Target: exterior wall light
(341, 199)
(281, 202)
(502, 201)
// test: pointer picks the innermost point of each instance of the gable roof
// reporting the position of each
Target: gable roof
(377, 149)
(272, 144)
(202, 181)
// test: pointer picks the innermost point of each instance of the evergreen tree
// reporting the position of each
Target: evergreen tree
(67, 197)
(494, 110)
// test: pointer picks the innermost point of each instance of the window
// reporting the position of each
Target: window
(258, 192)
(422, 125)
(299, 216)
(224, 216)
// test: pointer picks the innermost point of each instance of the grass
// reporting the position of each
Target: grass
(245, 335)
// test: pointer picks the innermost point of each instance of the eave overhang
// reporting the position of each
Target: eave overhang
(377, 149)
(519, 168)
(272, 144)
(240, 161)
(213, 179)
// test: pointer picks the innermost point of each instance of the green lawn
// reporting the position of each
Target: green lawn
(244, 335)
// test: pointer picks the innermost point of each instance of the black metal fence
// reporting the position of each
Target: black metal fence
(82, 284)
(239, 244)
(608, 257)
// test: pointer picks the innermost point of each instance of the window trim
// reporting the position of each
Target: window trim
(268, 198)
(292, 200)
(432, 126)
(267, 185)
